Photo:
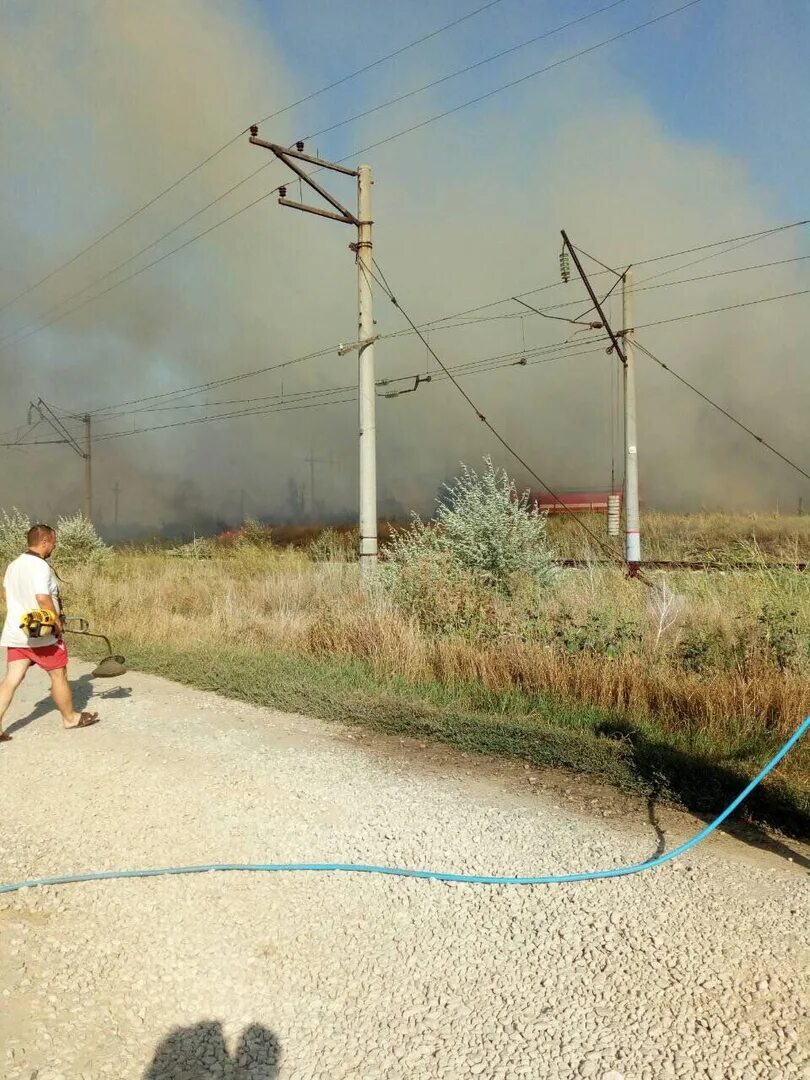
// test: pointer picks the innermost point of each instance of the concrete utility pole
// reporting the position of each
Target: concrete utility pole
(632, 517)
(88, 467)
(625, 353)
(366, 334)
(116, 493)
(365, 374)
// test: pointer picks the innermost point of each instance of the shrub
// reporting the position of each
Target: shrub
(333, 546)
(13, 529)
(777, 627)
(490, 530)
(201, 547)
(599, 633)
(442, 596)
(254, 534)
(484, 537)
(79, 543)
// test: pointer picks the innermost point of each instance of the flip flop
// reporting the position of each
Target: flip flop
(87, 719)
(4, 736)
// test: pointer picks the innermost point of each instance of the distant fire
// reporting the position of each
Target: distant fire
(578, 502)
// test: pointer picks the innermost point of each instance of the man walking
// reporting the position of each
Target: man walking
(31, 585)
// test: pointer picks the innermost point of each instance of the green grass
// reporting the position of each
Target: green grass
(634, 757)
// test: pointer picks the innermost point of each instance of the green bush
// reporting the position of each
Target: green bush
(779, 633)
(333, 546)
(599, 633)
(201, 547)
(254, 534)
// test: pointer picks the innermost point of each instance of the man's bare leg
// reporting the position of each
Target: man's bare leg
(63, 699)
(8, 687)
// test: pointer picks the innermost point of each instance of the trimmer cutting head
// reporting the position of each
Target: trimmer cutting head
(109, 667)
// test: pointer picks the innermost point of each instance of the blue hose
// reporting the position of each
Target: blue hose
(435, 875)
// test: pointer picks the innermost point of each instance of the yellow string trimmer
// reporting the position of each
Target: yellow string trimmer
(41, 623)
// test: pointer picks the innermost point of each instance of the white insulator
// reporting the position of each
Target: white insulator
(614, 514)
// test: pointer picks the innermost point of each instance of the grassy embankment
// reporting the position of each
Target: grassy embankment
(682, 695)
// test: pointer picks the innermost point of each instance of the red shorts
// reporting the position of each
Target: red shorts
(48, 657)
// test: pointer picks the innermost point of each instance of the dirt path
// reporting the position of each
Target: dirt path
(695, 970)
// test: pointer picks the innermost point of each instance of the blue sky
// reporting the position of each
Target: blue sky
(733, 73)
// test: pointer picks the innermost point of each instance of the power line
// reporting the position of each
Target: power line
(375, 145)
(376, 63)
(226, 416)
(227, 380)
(22, 332)
(523, 79)
(434, 323)
(729, 307)
(487, 423)
(720, 409)
(568, 343)
(34, 327)
(215, 153)
(465, 70)
(279, 402)
(761, 235)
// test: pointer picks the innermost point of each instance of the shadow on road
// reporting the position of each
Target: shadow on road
(705, 789)
(82, 693)
(199, 1052)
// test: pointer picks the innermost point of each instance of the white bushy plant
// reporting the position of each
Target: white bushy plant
(13, 529)
(78, 543)
(485, 541)
(493, 531)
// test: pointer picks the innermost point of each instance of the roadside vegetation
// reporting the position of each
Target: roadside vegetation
(679, 688)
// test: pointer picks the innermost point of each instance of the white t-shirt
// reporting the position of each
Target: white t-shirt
(26, 577)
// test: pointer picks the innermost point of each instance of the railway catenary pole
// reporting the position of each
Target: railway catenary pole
(88, 466)
(632, 525)
(632, 518)
(366, 335)
(48, 416)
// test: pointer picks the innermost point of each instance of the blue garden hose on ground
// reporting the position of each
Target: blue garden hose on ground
(435, 875)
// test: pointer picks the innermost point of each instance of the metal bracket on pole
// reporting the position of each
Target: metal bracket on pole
(286, 154)
(344, 349)
(594, 299)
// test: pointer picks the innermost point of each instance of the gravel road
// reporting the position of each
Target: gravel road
(695, 970)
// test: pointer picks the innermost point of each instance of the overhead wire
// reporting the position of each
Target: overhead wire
(22, 332)
(215, 153)
(466, 70)
(212, 384)
(277, 402)
(372, 146)
(481, 416)
(437, 322)
(763, 234)
(727, 307)
(725, 412)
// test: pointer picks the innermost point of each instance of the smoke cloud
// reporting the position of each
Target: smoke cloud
(104, 103)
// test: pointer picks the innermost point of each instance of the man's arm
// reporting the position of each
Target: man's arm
(46, 602)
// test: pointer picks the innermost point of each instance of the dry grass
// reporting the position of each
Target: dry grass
(600, 640)
(695, 537)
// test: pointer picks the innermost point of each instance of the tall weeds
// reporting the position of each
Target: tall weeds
(728, 672)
